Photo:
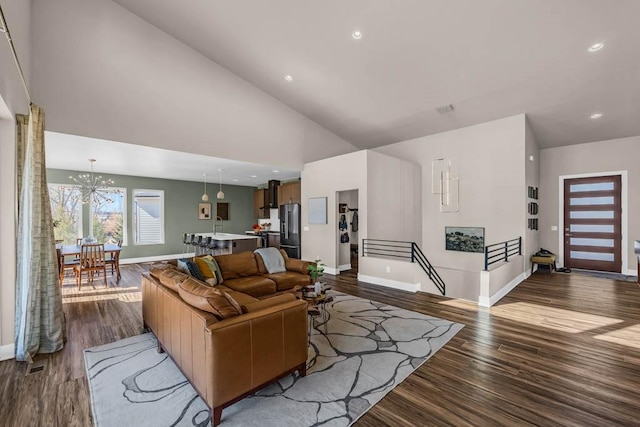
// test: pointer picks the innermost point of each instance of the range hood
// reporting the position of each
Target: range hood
(272, 193)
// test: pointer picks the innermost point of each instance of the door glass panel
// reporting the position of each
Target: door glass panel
(591, 228)
(592, 256)
(597, 186)
(591, 201)
(603, 243)
(591, 214)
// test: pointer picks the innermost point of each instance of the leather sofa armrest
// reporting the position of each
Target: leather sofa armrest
(252, 349)
(266, 303)
(297, 265)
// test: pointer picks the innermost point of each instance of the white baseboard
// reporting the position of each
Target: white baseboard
(7, 352)
(629, 272)
(404, 286)
(489, 301)
(155, 258)
(331, 270)
(344, 267)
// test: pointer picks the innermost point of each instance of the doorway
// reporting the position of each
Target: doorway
(348, 225)
(593, 223)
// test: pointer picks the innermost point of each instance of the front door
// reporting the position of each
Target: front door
(593, 223)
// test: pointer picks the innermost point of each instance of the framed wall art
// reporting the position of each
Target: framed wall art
(204, 210)
(464, 239)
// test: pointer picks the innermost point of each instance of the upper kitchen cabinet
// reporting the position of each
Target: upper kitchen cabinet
(290, 192)
(260, 204)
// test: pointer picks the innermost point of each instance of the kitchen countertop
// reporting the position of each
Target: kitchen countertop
(268, 232)
(227, 236)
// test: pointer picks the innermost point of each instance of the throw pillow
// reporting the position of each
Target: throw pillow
(195, 271)
(215, 268)
(204, 267)
(182, 265)
(209, 299)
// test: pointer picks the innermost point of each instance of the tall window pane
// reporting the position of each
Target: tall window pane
(66, 209)
(148, 217)
(108, 217)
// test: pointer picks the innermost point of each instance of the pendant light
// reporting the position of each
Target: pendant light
(220, 194)
(205, 196)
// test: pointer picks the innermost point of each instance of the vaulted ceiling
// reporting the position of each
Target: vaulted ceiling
(489, 58)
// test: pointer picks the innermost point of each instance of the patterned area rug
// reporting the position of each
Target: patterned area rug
(358, 353)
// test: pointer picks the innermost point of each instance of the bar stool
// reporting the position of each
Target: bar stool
(204, 245)
(196, 244)
(186, 241)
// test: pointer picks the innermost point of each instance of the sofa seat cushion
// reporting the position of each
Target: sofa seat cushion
(256, 286)
(267, 302)
(172, 278)
(237, 265)
(241, 298)
(289, 279)
(208, 298)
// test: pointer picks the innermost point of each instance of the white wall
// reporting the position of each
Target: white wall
(488, 159)
(325, 178)
(595, 157)
(13, 100)
(531, 238)
(103, 72)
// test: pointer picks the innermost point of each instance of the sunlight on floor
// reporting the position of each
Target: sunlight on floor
(71, 294)
(629, 336)
(465, 305)
(553, 318)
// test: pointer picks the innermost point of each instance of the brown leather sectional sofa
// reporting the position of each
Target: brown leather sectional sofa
(232, 339)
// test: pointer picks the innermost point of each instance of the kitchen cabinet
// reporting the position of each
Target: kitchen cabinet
(260, 204)
(274, 240)
(289, 192)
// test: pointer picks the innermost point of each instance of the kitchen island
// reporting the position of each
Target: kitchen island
(227, 243)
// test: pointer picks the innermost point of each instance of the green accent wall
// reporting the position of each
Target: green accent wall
(181, 200)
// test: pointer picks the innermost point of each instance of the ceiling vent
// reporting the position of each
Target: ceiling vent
(445, 108)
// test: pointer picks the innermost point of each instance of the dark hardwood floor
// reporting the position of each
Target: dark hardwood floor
(561, 350)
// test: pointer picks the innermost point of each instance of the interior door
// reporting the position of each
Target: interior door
(593, 223)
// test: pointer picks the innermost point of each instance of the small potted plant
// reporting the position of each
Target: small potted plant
(316, 270)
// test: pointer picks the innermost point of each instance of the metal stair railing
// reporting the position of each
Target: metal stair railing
(409, 251)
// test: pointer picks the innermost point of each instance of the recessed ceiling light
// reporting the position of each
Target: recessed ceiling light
(254, 176)
(596, 47)
(275, 171)
(288, 78)
(357, 35)
(596, 115)
(235, 180)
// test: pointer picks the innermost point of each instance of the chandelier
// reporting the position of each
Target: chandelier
(94, 187)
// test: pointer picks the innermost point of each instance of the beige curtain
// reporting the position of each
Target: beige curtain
(40, 323)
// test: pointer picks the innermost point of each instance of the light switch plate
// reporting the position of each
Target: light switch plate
(305, 228)
(554, 228)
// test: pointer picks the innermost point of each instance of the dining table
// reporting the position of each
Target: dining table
(109, 248)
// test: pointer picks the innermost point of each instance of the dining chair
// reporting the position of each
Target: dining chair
(64, 265)
(114, 258)
(92, 260)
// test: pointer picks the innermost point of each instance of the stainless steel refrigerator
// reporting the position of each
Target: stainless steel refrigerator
(290, 229)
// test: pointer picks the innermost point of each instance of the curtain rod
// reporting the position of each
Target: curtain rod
(5, 30)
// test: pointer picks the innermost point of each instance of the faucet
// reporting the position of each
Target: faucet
(215, 225)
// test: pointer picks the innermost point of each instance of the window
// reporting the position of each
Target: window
(108, 220)
(148, 217)
(66, 209)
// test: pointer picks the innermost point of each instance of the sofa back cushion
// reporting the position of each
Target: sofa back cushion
(237, 265)
(156, 269)
(208, 298)
(172, 278)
